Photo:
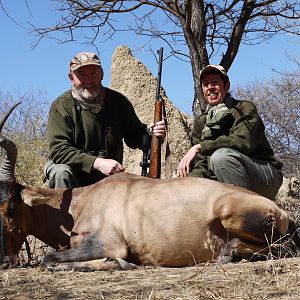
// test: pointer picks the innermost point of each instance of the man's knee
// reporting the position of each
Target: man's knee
(227, 165)
(62, 170)
(222, 157)
(60, 176)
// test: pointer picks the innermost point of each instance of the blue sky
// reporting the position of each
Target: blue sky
(45, 68)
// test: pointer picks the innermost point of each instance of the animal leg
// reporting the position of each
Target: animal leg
(89, 250)
(9, 262)
(103, 264)
(236, 249)
(89, 256)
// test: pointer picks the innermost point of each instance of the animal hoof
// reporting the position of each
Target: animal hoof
(124, 265)
(4, 266)
(228, 255)
(46, 260)
(224, 259)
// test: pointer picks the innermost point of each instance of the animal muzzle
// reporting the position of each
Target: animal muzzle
(2, 243)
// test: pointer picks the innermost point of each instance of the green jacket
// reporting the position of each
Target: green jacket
(76, 136)
(238, 127)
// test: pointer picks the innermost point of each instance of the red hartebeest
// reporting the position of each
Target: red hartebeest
(126, 220)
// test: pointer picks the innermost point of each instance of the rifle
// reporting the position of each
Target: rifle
(155, 151)
(146, 141)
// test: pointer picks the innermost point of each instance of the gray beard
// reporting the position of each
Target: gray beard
(92, 102)
(85, 95)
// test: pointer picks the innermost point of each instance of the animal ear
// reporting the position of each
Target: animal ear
(33, 198)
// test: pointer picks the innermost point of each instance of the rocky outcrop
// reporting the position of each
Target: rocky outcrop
(130, 77)
(290, 189)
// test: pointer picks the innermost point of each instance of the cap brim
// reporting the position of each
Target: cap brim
(83, 65)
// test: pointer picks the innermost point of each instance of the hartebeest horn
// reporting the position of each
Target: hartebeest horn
(7, 169)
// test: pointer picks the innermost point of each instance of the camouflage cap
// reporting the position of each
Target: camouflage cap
(217, 68)
(84, 59)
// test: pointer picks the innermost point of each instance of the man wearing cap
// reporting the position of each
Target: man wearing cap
(87, 126)
(229, 142)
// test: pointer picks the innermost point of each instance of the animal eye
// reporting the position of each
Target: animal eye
(11, 210)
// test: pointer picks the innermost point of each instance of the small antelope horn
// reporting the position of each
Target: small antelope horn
(7, 169)
(6, 115)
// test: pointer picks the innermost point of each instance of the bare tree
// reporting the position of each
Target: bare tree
(30, 118)
(278, 102)
(194, 30)
(205, 27)
(27, 126)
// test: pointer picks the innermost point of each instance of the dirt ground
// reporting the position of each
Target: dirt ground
(272, 279)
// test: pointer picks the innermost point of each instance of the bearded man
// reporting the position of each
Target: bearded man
(87, 126)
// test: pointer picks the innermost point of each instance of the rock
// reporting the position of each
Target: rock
(131, 78)
(289, 189)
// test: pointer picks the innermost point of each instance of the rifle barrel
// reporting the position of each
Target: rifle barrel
(155, 151)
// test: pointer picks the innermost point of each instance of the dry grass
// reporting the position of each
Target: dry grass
(273, 279)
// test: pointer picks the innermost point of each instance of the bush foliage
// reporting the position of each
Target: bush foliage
(278, 102)
(27, 127)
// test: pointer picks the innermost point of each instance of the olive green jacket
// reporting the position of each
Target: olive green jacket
(76, 136)
(238, 127)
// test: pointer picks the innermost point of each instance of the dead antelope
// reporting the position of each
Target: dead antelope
(127, 220)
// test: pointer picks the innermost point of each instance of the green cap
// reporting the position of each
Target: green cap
(84, 59)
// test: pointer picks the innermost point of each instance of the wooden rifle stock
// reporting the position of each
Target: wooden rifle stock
(155, 150)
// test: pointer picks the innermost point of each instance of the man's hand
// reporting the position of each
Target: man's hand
(185, 163)
(107, 166)
(159, 129)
